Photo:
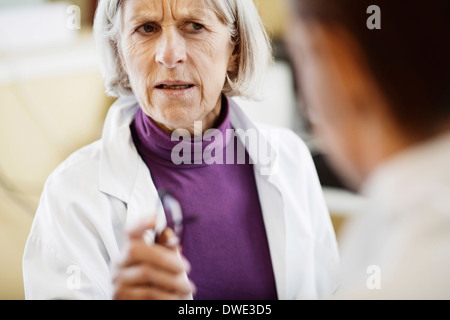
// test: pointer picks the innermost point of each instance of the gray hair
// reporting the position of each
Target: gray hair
(246, 30)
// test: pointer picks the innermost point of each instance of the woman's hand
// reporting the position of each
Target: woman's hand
(151, 272)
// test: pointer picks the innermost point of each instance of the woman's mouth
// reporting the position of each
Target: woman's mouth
(174, 88)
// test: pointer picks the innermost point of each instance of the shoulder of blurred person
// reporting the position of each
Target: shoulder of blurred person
(398, 249)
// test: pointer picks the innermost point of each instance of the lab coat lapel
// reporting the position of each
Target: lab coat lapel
(270, 196)
(274, 220)
(123, 174)
(118, 163)
(144, 202)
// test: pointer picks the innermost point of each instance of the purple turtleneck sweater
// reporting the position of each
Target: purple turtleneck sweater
(225, 242)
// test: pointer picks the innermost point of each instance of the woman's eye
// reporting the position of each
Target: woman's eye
(194, 26)
(147, 28)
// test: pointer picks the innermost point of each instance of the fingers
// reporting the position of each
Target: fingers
(140, 276)
(146, 293)
(156, 272)
(137, 232)
(168, 238)
(157, 256)
(155, 280)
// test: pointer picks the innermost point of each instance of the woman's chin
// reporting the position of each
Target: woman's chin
(177, 123)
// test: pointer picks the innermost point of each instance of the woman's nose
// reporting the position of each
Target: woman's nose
(171, 50)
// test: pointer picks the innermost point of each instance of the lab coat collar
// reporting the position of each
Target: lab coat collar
(263, 150)
(123, 174)
(266, 165)
(118, 173)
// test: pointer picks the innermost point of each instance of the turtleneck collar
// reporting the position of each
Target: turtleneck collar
(156, 145)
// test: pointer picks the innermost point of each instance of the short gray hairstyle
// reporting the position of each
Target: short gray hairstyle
(246, 30)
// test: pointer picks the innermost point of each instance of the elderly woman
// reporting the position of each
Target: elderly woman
(254, 226)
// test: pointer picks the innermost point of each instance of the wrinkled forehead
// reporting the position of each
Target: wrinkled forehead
(157, 10)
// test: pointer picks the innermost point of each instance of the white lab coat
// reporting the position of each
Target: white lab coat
(399, 247)
(88, 201)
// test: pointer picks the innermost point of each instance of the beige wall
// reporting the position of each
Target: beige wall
(273, 15)
(52, 102)
(41, 122)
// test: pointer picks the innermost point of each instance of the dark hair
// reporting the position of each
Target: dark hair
(409, 56)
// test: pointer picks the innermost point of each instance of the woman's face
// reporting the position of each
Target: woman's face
(176, 54)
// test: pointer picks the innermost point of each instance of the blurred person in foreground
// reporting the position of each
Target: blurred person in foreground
(379, 100)
(254, 222)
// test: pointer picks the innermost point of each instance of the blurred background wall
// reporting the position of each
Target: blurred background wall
(52, 102)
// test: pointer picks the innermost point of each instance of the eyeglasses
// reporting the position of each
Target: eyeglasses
(174, 214)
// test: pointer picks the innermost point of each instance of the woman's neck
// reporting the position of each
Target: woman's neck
(198, 127)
